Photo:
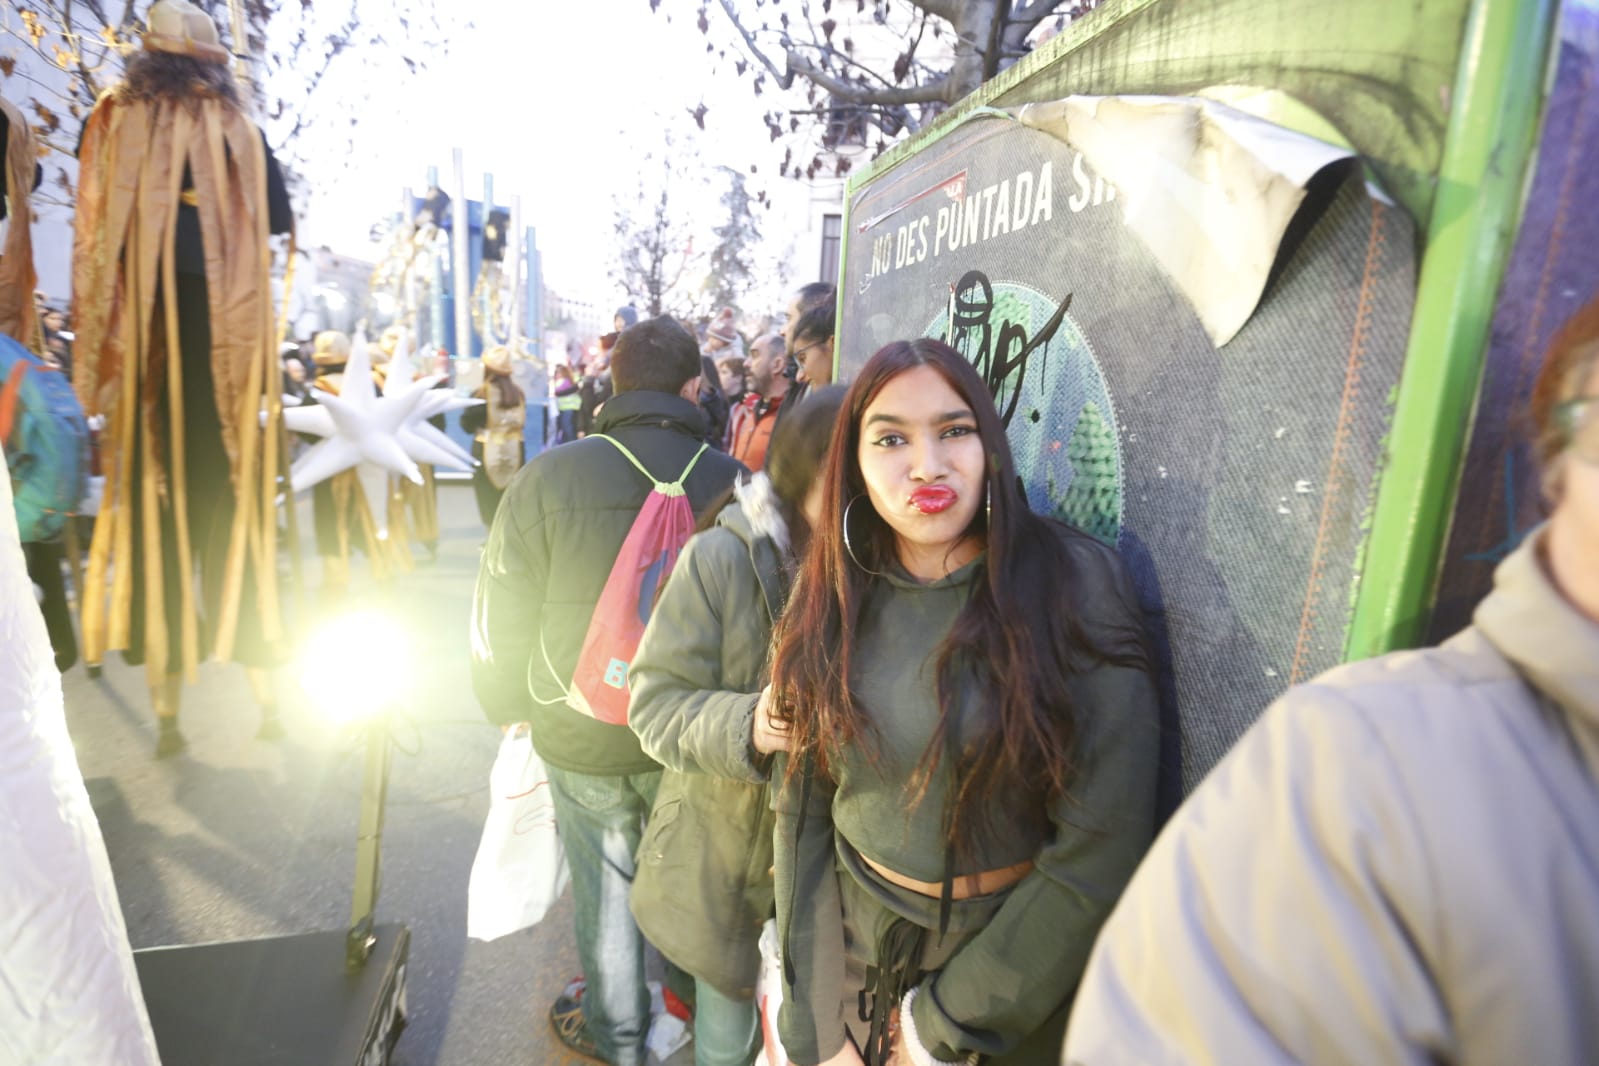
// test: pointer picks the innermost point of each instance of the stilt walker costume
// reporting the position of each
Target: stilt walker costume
(19, 320)
(177, 196)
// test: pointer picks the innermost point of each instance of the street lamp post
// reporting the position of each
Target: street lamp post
(354, 671)
(369, 843)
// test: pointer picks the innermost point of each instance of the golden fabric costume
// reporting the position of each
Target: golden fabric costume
(133, 159)
(413, 509)
(18, 318)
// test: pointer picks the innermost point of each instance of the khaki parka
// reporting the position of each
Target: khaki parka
(1397, 866)
(704, 886)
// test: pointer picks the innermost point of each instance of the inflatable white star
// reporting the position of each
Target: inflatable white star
(376, 433)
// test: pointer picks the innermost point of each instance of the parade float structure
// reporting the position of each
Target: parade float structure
(460, 276)
(1240, 275)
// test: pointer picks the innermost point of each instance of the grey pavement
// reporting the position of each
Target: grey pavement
(240, 838)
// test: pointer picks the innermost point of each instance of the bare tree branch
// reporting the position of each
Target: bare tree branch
(849, 61)
(936, 90)
(784, 78)
(948, 10)
(86, 43)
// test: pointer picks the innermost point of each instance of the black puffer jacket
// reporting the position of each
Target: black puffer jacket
(555, 537)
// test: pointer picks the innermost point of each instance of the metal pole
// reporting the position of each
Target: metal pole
(461, 281)
(241, 54)
(1493, 134)
(368, 846)
(514, 254)
(483, 229)
(408, 317)
(535, 294)
(436, 300)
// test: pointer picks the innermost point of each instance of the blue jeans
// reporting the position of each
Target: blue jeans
(727, 1032)
(601, 820)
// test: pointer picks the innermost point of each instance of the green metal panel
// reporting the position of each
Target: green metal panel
(1381, 72)
(1442, 99)
(1481, 188)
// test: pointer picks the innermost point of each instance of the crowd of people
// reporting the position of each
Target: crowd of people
(878, 706)
(742, 383)
(882, 704)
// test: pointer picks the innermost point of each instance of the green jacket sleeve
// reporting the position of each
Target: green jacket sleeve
(1008, 979)
(810, 922)
(508, 603)
(700, 658)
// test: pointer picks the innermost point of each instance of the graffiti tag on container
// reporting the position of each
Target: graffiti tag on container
(1001, 358)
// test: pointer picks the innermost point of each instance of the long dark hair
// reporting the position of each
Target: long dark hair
(510, 395)
(156, 75)
(1017, 634)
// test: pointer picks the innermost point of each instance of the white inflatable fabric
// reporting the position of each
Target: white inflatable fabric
(69, 994)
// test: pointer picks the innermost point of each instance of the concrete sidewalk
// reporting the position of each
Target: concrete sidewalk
(240, 838)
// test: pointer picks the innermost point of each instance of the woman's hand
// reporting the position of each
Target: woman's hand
(847, 1056)
(897, 1055)
(771, 733)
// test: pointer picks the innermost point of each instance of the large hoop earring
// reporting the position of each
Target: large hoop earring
(848, 547)
(988, 510)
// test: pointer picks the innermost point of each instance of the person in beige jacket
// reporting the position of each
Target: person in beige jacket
(1400, 862)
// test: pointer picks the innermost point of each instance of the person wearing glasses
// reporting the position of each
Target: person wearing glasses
(812, 348)
(1400, 862)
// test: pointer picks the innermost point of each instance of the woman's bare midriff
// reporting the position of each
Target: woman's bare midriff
(966, 886)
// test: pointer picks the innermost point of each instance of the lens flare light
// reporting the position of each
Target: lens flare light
(356, 666)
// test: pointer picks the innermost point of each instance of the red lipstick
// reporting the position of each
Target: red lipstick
(933, 499)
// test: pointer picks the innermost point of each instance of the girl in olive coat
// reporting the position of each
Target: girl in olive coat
(971, 738)
(704, 886)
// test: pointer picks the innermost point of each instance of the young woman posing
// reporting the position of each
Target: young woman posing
(704, 888)
(963, 691)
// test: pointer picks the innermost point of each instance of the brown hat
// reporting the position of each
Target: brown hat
(179, 27)
(332, 348)
(497, 359)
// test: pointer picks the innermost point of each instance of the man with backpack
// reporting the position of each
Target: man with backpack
(46, 443)
(42, 428)
(584, 536)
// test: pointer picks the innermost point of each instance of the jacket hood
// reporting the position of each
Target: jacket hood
(756, 518)
(1547, 640)
(641, 407)
(756, 512)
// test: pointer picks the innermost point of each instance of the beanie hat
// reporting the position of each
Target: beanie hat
(722, 327)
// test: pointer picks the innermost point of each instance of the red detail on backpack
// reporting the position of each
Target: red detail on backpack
(664, 524)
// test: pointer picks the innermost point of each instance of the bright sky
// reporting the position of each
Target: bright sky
(556, 100)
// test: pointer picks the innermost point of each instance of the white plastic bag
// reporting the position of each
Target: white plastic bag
(520, 869)
(69, 992)
(769, 995)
